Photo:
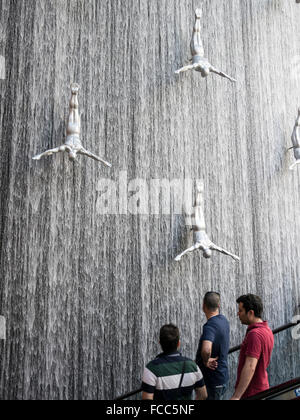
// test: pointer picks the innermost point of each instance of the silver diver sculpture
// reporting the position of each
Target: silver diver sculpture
(201, 239)
(296, 142)
(73, 144)
(199, 62)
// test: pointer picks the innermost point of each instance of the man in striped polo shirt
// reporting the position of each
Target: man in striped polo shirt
(172, 377)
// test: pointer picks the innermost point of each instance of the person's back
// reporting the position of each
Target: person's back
(216, 330)
(212, 354)
(163, 375)
(171, 376)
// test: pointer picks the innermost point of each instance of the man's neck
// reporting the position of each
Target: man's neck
(210, 315)
(256, 321)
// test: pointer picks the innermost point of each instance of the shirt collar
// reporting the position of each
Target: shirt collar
(173, 354)
(263, 324)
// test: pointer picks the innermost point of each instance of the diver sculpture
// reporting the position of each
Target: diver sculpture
(296, 142)
(73, 144)
(199, 62)
(201, 239)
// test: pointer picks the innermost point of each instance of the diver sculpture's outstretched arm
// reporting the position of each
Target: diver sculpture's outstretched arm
(192, 249)
(296, 142)
(187, 68)
(294, 165)
(52, 151)
(91, 155)
(223, 251)
(222, 74)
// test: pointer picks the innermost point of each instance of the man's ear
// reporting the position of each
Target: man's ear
(250, 314)
(179, 344)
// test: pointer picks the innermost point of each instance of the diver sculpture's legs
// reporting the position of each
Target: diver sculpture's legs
(197, 44)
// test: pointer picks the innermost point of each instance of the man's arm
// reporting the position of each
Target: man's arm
(148, 384)
(200, 388)
(201, 394)
(246, 377)
(147, 397)
(206, 355)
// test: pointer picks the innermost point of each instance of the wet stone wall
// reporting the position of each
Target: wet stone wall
(87, 277)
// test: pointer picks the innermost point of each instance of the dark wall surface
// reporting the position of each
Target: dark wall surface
(84, 293)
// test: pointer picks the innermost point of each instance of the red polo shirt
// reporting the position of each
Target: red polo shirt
(259, 344)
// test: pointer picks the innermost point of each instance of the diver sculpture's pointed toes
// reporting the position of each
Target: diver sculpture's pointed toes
(198, 13)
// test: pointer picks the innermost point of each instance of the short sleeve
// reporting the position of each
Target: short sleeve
(149, 381)
(253, 346)
(199, 379)
(209, 333)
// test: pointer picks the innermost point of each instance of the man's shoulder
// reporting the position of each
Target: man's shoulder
(159, 364)
(155, 362)
(191, 364)
(259, 334)
(217, 321)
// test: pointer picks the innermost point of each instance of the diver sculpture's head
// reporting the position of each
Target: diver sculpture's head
(207, 253)
(72, 156)
(205, 71)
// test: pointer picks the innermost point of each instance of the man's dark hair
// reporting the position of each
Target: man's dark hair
(212, 301)
(252, 303)
(169, 338)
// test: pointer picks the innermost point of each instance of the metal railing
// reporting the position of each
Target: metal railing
(232, 350)
(288, 391)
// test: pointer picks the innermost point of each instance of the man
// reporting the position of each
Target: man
(212, 355)
(256, 349)
(170, 376)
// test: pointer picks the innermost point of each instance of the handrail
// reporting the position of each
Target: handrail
(232, 350)
(277, 391)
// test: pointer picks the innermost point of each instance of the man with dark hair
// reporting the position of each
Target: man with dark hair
(256, 349)
(212, 354)
(170, 376)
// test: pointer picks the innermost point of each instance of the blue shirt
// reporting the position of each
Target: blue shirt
(216, 330)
